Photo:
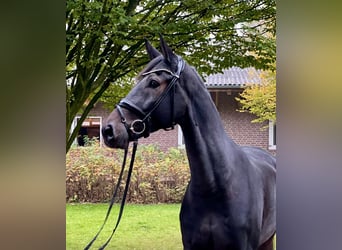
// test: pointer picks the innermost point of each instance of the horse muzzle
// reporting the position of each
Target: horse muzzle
(114, 137)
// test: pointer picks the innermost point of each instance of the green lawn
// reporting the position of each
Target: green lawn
(142, 226)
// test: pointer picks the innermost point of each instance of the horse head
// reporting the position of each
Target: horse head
(154, 103)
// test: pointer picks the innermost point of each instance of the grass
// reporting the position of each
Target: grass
(142, 226)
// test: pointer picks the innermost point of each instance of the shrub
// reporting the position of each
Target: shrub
(158, 177)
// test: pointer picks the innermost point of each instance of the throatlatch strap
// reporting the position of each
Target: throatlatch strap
(135, 145)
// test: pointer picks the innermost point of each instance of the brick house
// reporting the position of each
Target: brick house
(223, 88)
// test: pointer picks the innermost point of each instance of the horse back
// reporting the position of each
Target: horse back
(260, 155)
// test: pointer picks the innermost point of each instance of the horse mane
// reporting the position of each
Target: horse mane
(199, 78)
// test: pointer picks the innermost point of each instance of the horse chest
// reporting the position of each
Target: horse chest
(206, 229)
(210, 232)
(213, 225)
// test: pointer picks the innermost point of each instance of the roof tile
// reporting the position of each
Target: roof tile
(233, 77)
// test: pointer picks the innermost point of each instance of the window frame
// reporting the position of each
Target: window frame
(272, 135)
(180, 141)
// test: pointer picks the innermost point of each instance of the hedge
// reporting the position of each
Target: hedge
(158, 177)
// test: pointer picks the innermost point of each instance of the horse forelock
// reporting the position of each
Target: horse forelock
(153, 63)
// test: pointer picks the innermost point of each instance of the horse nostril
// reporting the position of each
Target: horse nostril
(108, 131)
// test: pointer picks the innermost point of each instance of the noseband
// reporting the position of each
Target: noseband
(142, 126)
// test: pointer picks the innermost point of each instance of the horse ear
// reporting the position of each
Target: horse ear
(170, 57)
(151, 51)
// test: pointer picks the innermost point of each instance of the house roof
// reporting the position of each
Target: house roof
(233, 77)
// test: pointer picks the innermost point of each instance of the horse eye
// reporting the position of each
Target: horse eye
(154, 84)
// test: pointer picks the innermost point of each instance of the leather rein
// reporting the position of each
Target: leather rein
(134, 130)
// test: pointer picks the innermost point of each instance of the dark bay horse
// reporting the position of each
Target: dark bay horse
(230, 202)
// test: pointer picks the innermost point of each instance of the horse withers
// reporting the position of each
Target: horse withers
(230, 201)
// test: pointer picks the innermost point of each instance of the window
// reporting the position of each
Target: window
(91, 128)
(272, 136)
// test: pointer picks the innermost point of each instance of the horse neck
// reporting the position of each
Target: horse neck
(209, 149)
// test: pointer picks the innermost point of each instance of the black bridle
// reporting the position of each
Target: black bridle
(142, 126)
(135, 129)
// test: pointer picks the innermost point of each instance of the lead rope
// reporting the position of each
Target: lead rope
(135, 145)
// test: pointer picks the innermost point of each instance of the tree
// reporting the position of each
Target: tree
(115, 92)
(105, 40)
(260, 100)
